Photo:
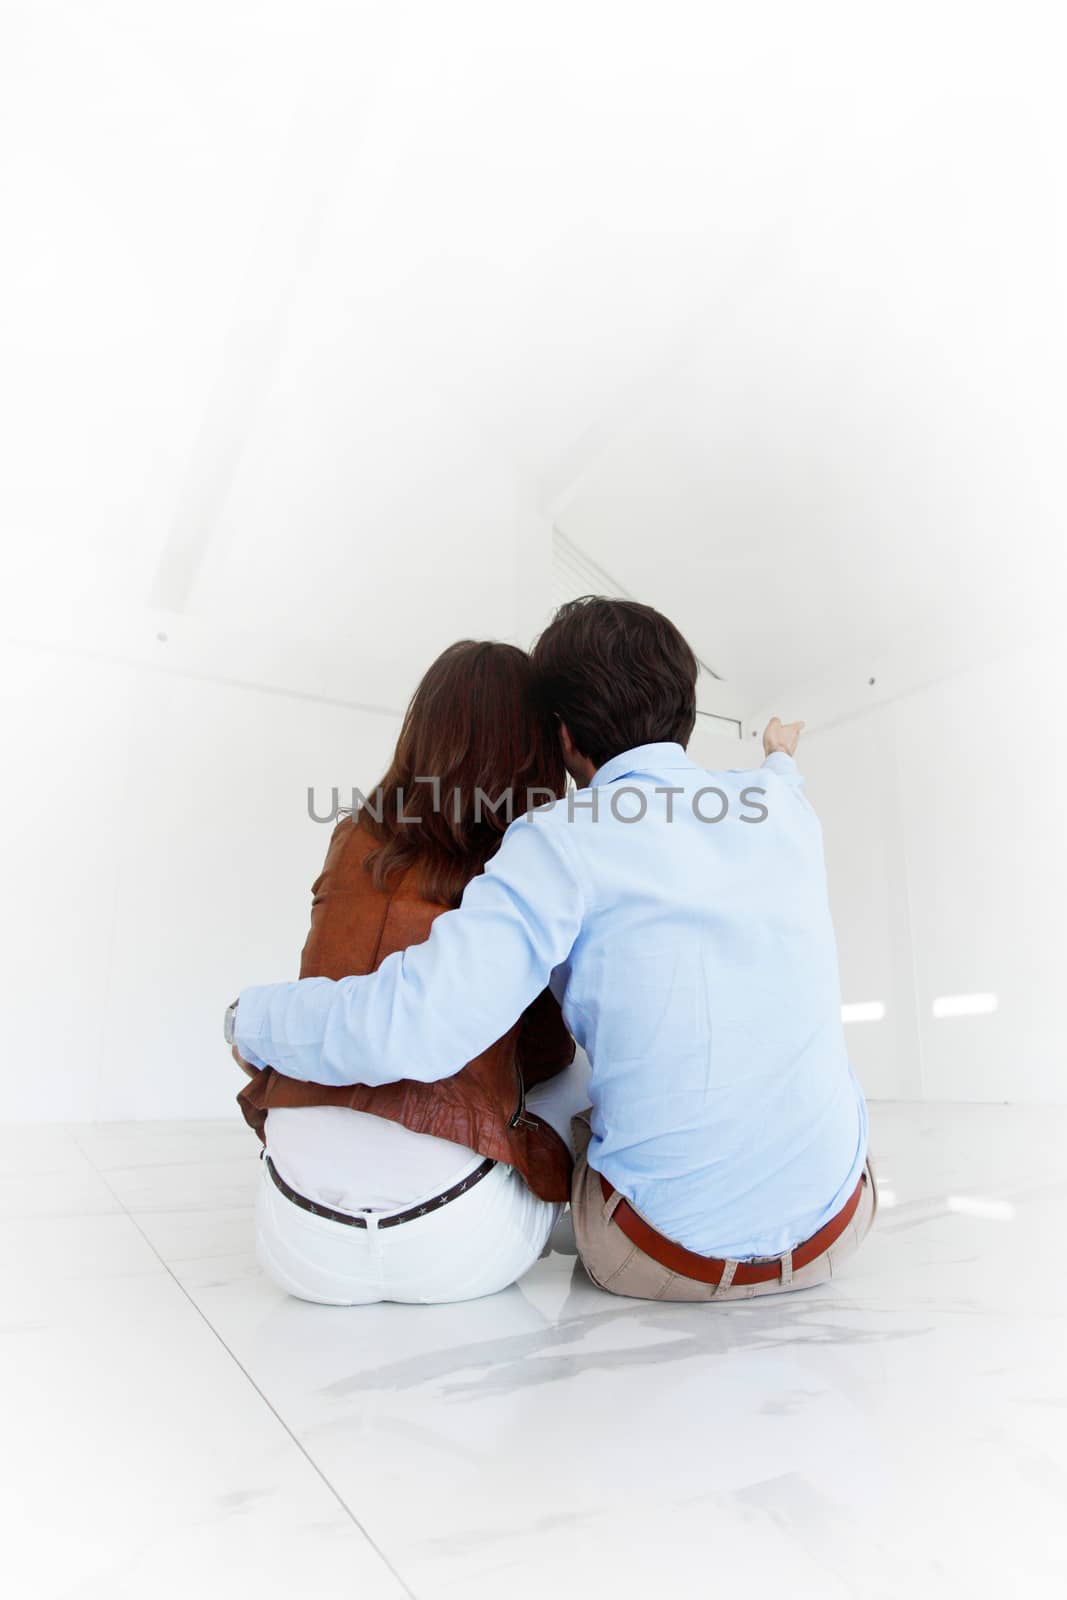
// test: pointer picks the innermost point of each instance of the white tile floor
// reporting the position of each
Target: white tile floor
(174, 1426)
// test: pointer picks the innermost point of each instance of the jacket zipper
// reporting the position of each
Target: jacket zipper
(520, 1116)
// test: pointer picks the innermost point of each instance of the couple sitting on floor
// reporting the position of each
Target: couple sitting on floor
(424, 1116)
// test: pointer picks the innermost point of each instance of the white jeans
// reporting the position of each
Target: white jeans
(475, 1245)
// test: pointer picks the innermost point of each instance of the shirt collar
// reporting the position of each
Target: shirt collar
(650, 759)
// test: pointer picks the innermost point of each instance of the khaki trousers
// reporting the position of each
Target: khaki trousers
(622, 1268)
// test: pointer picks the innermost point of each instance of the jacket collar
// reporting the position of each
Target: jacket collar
(648, 760)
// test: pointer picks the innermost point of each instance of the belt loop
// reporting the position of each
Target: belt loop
(785, 1267)
(614, 1199)
(373, 1237)
(728, 1270)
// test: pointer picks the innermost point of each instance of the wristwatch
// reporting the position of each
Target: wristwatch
(229, 1026)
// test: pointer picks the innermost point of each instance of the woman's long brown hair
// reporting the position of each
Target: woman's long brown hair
(475, 726)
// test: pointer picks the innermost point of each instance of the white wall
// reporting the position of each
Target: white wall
(156, 856)
(947, 854)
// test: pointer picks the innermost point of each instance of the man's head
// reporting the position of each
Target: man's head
(616, 674)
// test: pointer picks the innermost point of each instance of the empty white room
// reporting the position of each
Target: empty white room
(533, 856)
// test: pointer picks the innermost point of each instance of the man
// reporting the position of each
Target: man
(681, 919)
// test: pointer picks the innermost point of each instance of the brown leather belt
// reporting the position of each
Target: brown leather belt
(709, 1269)
(395, 1218)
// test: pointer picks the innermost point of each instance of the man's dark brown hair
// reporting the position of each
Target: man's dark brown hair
(619, 674)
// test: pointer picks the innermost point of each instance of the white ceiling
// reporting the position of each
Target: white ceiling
(763, 307)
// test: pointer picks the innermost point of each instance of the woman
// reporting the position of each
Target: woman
(423, 1191)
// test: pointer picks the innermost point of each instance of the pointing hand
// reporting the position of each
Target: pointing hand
(779, 735)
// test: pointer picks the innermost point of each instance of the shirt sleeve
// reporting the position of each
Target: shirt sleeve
(784, 765)
(430, 1009)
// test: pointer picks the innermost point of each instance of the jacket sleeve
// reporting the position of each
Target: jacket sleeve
(312, 955)
(545, 1046)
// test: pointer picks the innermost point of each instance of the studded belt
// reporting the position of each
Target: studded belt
(395, 1218)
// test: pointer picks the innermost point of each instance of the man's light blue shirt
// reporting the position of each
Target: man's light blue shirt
(682, 919)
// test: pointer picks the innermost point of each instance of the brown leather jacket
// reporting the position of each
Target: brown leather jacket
(354, 926)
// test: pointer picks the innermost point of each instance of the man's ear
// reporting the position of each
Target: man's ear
(569, 750)
(580, 767)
